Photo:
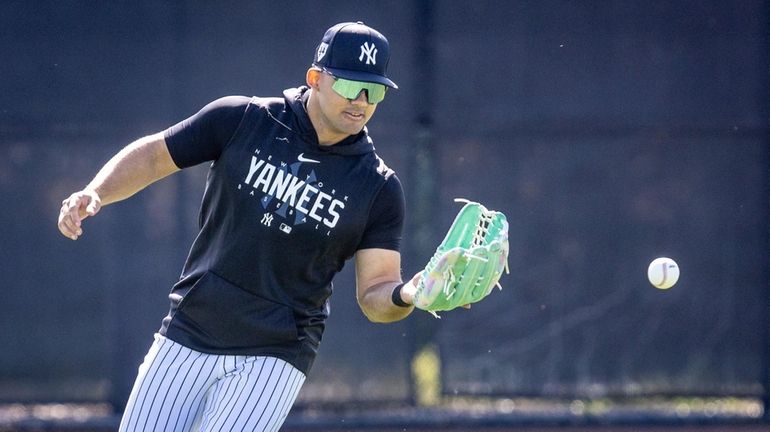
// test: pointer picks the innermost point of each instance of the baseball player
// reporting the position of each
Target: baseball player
(294, 190)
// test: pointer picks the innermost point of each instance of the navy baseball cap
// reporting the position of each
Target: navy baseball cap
(354, 51)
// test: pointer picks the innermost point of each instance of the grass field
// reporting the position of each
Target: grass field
(596, 428)
(470, 418)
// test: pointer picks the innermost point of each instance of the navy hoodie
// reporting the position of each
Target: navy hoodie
(279, 218)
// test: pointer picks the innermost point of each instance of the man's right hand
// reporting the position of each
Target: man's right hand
(74, 209)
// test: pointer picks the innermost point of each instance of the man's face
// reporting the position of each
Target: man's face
(337, 114)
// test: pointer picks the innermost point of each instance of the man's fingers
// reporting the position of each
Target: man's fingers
(70, 217)
(75, 204)
(92, 208)
(68, 227)
(68, 224)
(74, 209)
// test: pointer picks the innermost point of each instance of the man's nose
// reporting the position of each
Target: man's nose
(362, 98)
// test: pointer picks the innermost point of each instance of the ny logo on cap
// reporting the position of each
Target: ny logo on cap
(370, 52)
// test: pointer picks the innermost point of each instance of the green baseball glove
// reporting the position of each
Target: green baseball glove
(468, 263)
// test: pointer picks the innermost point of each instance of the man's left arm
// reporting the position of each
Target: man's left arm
(378, 272)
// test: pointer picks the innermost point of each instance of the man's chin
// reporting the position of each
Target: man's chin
(354, 130)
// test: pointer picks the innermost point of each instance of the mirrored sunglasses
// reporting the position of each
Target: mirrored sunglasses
(348, 89)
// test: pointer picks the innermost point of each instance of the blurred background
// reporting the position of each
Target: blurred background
(609, 132)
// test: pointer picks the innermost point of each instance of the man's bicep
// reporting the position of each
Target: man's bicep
(163, 162)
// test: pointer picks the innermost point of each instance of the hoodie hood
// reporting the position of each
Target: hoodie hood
(296, 101)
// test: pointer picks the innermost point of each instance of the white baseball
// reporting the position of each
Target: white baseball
(663, 273)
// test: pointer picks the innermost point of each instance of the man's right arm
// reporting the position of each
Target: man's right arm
(139, 164)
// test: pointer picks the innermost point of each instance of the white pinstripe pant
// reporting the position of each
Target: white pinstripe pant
(179, 389)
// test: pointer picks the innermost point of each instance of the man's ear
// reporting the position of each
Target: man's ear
(312, 77)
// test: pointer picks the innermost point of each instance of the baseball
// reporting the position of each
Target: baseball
(663, 273)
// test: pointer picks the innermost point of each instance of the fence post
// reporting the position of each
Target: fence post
(764, 64)
(423, 171)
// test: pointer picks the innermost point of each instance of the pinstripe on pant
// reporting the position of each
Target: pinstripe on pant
(178, 389)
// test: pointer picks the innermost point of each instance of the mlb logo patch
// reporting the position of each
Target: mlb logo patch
(321, 51)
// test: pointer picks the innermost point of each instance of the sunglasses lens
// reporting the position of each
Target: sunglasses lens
(351, 89)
